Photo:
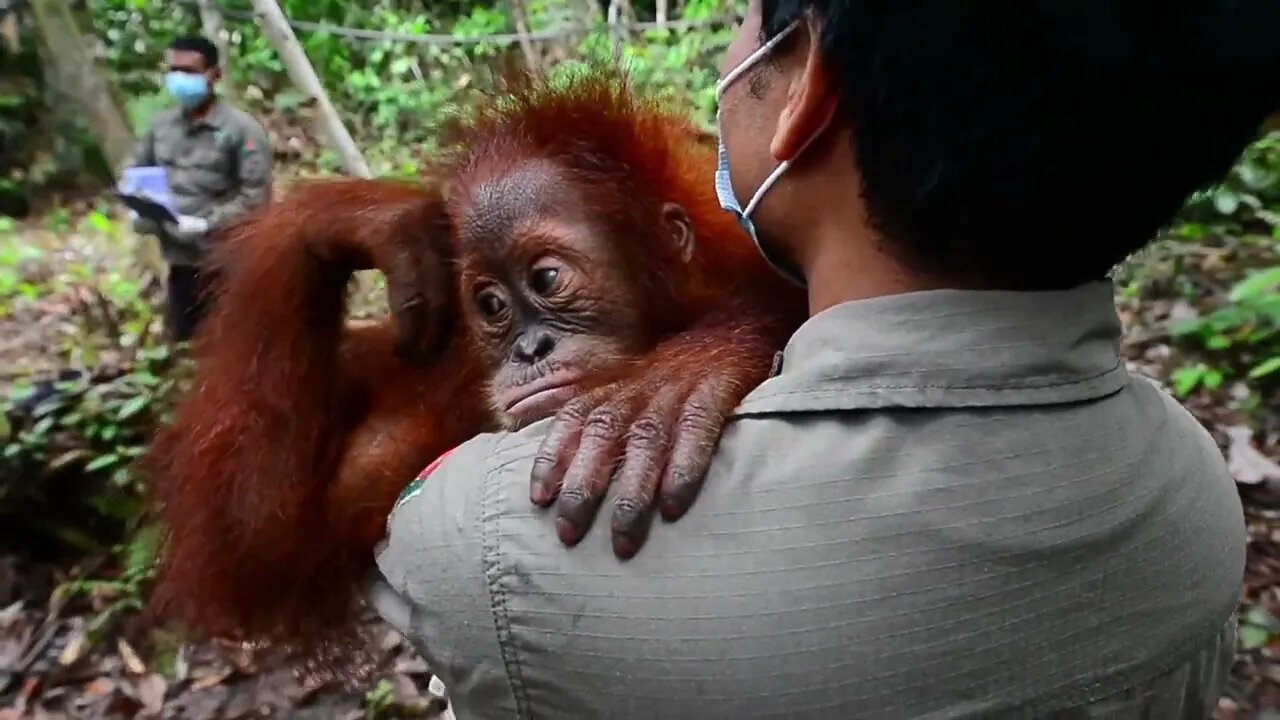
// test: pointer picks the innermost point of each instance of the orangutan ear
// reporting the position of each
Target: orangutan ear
(680, 229)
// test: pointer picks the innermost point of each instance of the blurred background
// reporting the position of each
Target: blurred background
(85, 372)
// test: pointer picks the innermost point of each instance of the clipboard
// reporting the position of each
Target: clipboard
(147, 208)
(144, 189)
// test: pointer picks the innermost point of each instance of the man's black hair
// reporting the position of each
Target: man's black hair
(197, 44)
(1035, 144)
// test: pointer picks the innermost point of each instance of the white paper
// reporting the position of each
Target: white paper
(150, 182)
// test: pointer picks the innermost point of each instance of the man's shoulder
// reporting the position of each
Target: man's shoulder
(448, 510)
(241, 120)
(477, 472)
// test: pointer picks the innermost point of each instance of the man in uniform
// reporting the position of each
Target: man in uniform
(218, 162)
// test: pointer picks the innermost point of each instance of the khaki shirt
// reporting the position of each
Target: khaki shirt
(219, 168)
(947, 504)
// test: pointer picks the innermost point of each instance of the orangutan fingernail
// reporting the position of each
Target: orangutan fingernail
(623, 547)
(567, 532)
(538, 494)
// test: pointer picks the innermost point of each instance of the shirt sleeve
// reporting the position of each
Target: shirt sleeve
(253, 182)
(432, 582)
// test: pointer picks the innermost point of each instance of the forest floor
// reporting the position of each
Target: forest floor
(49, 668)
(49, 671)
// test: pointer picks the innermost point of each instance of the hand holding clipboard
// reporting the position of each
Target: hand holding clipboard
(147, 208)
(145, 191)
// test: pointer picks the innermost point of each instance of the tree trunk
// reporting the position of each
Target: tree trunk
(77, 75)
(662, 14)
(620, 19)
(276, 27)
(532, 59)
(9, 31)
(211, 23)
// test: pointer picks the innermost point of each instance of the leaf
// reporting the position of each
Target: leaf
(44, 426)
(74, 649)
(1246, 464)
(140, 551)
(1226, 202)
(1255, 284)
(1266, 367)
(151, 692)
(99, 687)
(101, 462)
(100, 222)
(1261, 617)
(1213, 379)
(209, 681)
(1186, 379)
(1218, 342)
(1253, 637)
(132, 663)
(132, 407)
(67, 459)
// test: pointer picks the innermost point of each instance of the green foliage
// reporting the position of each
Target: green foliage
(72, 425)
(1238, 337)
(1249, 197)
(21, 87)
(66, 469)
(393, 94)
(681, 65)
(1257, 628)
(379, 701)
(122, 594)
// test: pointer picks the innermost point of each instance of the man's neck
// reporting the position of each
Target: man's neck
(202, 110)
(847, 261)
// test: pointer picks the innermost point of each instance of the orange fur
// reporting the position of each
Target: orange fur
(276, 475)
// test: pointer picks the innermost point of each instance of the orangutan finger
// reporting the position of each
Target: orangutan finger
(697, 434)
(648, 442)
(558, 449)
(589, 473)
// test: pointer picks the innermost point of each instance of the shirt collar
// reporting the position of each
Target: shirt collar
(215, 118)
(951, 348)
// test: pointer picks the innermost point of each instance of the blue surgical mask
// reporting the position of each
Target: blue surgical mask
(724, 188)
(189, 89)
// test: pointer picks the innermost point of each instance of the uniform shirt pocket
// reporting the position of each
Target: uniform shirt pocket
(212, 168)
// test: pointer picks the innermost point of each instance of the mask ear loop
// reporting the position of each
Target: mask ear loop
(782, 168)
(753, 58)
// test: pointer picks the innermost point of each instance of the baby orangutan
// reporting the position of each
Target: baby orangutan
(567, 257)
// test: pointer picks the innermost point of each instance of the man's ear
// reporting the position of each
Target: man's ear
(679, 229)
(812, 96)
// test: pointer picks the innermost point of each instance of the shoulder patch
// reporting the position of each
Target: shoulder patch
(415, 487)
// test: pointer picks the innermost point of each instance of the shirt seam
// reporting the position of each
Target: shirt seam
(491, 566)
(1029, 386)
(1037, 383)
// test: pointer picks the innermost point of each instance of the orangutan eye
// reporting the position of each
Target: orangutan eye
(490, 303)
(543, 280)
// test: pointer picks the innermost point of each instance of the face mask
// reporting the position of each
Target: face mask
(724, 188)
(189, 89)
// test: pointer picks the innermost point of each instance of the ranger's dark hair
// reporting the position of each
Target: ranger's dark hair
(197, 44)
(989, 133)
